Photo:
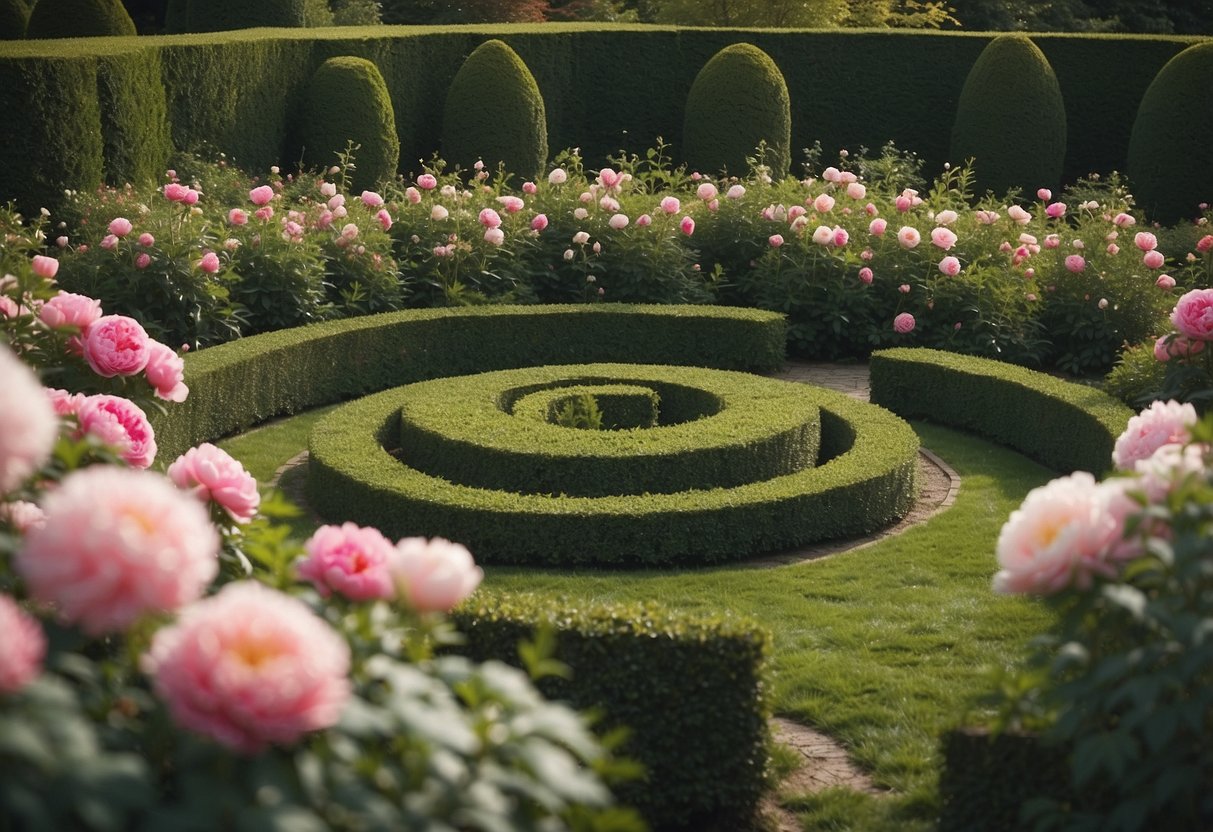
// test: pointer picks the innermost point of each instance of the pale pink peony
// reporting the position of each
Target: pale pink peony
(261, 195)
(384, 218)
(494, 236)
(539, 222)
(143, 260)
(738, 191)
(1075, 263)
(839, 237)
(670, 205)
(209, 262)
(1123, 220)
(865, 276)
(795, 212)
(1193, 315)
(439, 213)
(877, 227)
(371, 199)
(63, 402)
(1153, 259)
(166, 372)
(120, 226)
(1205, 243)
(949, 266)
(530, 188)
(212, 475)
(250, 667)
(350, 560)
(1145, 241)
(44, 267)
(776, 240)
(116, 345)
(237, 216)
(823, 204)
(121, 424)
(22, 515)
(511, 204)
(558, 176)
(175, 192)
(944, 238)
(28, 426)
(1165, 281)
(70, 310)
(109, 242)
(1063, 534)
(618, 221)
(706, 191)
(22, 648)
(118, 544)
(856, 190)
(822, 235)
(1019, 214)
(903, 323)
(1055, 210)
(433, 575)
(1162, 423)
(427, 182)
(987, 217)
(489, 218)
(1159, 473)
(1044, 194)
(644, 221)
(908, 236)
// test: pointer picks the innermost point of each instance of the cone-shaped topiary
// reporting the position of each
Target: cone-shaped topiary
(737, 100)
(79, 19)
(14, 14)
(347, 100)
(494, 111)
(1170, 162)
(1011, 118)
(221, 15)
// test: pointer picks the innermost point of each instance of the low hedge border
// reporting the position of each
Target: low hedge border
(620, 406)
(869, 481)
(1066, 426)
(689, 689)
(461, 429)
(237, 385)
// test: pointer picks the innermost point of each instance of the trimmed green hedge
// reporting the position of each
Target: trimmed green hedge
(720, 430)
(690, 689)
(866, 478)
(242, 383)
(79, 19)
(134, 117)
(1060, 424)
(221, 15)
(620, 406)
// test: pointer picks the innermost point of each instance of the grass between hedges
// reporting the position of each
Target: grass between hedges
(882, 648)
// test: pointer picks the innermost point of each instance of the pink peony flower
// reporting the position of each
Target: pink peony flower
(822, 235)
(109, 242)
(1159, 424)
(903, 323)
(949, 266)
(1044, 194)
(261, 195)
(512, 204)
(539, 222)
(433, 575)
(904, 288)
(644, 221)
(903, 203)
(70, 310)
(210, 474)
(494, 236)
(209, 262)
(120, 226)
(190, 196)
(530, 188)
(687, 226)
(237, 216)
(1123, 220)
(581, 238)
(609, 204)
(489, 218)
(350, 560)
(328, 189)
(823, 204)
(175, 192)
(1055, 210)
(1145, 241)
(22, 515)
(558, 176)
(618, 222)
(706, 191)
(22, 648)
(349, 231)
(166, 372)
(736, 192)
(371, 199)
(121, 424)
(839, 237)
(1063, 534)
(250, 667)
(1075, 263)
(877, 227)
(1153, 259)
(865, 276)
(987, 217)
(1205, 243)
(63, 402)
(671, 205)
(856, 190)
(427, 182)
(1165, 281)
(439, 213)
(776, 240)
(147, 240)
(28, 426)
(118, 544)
(116, 345)
(908, 236)
(44, 267)
(1193, 315)
(266, 212)
(944, 238)
(1019, 214)
(1158, 474)
(385, 219)
(946, 217)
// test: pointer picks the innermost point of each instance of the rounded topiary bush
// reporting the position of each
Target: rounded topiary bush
(347, 101)
(494, 112)
(1011, 118)
(221, 15)
(1170, 159)
(79, 19)
(14, 14)
(737, 100)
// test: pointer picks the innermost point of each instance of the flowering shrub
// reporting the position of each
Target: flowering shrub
(171, 660)
(1126, 679)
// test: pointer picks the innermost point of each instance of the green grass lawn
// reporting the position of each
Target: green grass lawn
(882, 648)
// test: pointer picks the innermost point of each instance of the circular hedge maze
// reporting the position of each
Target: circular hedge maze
(688, 466)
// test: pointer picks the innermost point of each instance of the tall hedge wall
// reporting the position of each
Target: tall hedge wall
(604, 87)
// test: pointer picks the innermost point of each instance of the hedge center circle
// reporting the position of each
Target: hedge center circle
(865, 478)
(717, 429)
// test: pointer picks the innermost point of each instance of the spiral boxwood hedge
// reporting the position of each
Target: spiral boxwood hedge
(242, 383)
(620, 406)
(718, 430)
(1066, 426)
(690, 689)
(865, 479)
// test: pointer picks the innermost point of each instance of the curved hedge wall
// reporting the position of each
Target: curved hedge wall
(1066, 426)
(865, 479)
(242, 383)
(620, 406)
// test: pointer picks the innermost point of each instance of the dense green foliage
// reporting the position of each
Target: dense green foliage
(494, 112)
(619, 406)
(347, 104)
(738, 101)
(79, 19)
(1063, 425)
(14, 15)
(1011, 118)
(221, 15)
(244, 382)
(1170, 155)
(867, 479)
(690, 689)
(134, 117)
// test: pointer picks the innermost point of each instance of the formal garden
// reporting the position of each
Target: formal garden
(441, 427)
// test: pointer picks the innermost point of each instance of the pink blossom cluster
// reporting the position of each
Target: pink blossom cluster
(212, 475)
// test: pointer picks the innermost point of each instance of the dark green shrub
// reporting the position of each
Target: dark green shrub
(691, 691)
(1063, 425)
(134, 117)
(347, 101)
(14, 15)
(1138, 376)
(1011, 118)
(738, 100)
(1170, 153)
(79, 19)
(617, 406)
(494, 112)
(221, 15)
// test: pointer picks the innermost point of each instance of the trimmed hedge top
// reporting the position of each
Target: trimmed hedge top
(1060, 424)
(79, 19)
